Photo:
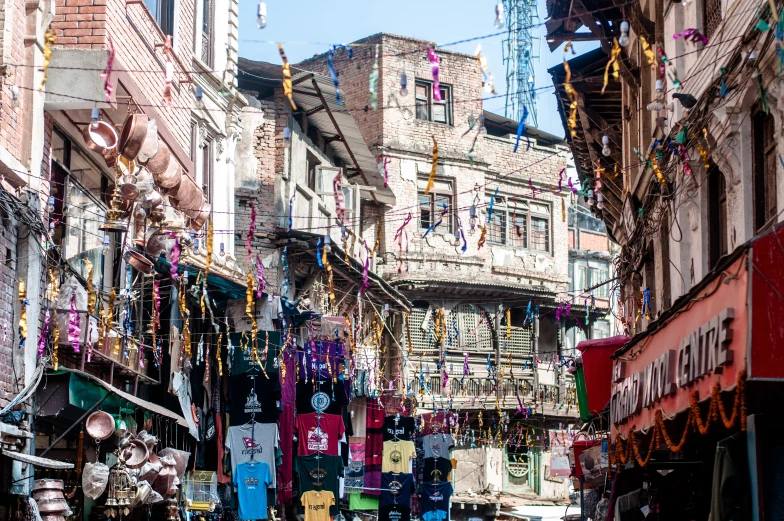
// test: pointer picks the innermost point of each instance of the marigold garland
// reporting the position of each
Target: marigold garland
(622, 450)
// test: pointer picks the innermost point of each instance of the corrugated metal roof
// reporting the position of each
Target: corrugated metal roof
(312, 91)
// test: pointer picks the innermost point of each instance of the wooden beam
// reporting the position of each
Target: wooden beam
(573, 37)
(588, 20)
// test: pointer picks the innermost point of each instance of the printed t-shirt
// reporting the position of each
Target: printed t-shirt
(401, 430)
(437, 445)
(260, 440)
(317, 504)
(326, 395)
(394, 513)
(319, 434)
(438, 423)
(251, 480)
(435, 497)
(436, 469)
(355, 471)
(396, 488)
(320, 473)
(320, 359)
(243, 362)
(263, 402)
(397, 456)
(434, 515)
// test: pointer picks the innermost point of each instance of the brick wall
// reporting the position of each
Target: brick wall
(8, 297)
(12, 120)
(86, 24)
(594, 241)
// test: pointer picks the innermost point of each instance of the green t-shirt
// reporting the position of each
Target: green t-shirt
(359, 501)
(320, 472)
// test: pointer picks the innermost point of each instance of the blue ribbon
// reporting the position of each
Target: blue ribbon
(332, 73)
(318, 254)
(492, 203)
(521, 130)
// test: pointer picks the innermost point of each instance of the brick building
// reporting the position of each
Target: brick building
(57, 185)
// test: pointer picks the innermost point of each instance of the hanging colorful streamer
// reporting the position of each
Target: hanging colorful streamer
(332, 73)
(381, 162)
(91, 296)
(433, 169)
(521, 130)
(491, 205)
(612, 62)
(251, 229)
(49, 39)
(337, 189)
(373, 81)
(571, 93)
(74, 325)
(692, 35)
(169, 71)
(646, 49)
(287, 86)
(107, 72)
(488, 82)
(23, 313)
(262, 282)
(482, 236)
(42, 337)
(175, 256)
(435, 65)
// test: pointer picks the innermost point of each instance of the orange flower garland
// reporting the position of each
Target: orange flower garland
(622, 450)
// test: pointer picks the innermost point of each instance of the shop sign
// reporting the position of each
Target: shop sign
(704, 351)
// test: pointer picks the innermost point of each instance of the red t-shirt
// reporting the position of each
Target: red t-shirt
(320, 434)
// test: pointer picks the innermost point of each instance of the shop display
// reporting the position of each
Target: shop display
(437, 445)
(257, 441)
(317, 504)
(319, 433)
(397, 456)
(251, 480)
(320, 472)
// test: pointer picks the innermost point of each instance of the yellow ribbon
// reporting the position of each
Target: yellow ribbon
(572, 119)
(210, 233)
(287, 87)
(432, 179)
(49, 39)
(646, 48)
(56, 340)
(612, 62)
(482, 237)
(91, 297)
(509, 320)
(328, 267)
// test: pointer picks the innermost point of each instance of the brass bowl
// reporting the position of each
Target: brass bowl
(132, 135)
(158, 163)
(100, 137)
(171, 177)
(189, 197)
(140, 263)
(136, 454)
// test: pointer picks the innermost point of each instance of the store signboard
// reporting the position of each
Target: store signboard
(703, 344)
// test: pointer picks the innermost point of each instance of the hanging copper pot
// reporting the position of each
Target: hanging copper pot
(100, 136)
(158, 163)
(201, 217)
(140, 263)
(132, 136)
(100, 425)
(170, 177)
(189, 197)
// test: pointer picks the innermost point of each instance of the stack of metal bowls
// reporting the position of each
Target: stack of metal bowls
(48, 493)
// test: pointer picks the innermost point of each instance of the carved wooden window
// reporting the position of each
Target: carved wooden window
(711, 16)
(764, 145)
(717, 216)
(207, 31)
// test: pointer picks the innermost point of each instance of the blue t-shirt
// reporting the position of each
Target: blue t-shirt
(434, 515)
(396, 489)
(436, 497)
(251, 480)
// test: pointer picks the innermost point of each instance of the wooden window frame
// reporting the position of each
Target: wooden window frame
(448, 226)
(717, 216)
(511, 213)
(764, 145)
(429, 101)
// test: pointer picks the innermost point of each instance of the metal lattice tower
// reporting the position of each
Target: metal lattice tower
(519, 56)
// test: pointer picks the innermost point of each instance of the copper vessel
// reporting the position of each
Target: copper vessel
(100, 426)
(170, 177)
(189, 197)
(52, 484)
(158, 163)
(201, 217)
(132, 136)
(140, 263)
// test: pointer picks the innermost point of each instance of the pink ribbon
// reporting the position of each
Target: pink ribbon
(175, 256)
(560, 179)
(107, 72)
(405, 223)
(251, 228)
(141, 356)
(260, 274)
(42, 338)
(74, 325)
(445, 379)
(531, 185)
(338, 190)
(365, 269)
(156, 291)
(435, 66)
(693, 35)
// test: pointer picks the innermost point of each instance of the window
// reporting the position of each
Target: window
(80, 190)
(590, 276)
(436, 205)
(313, 164)
(601, 329)
(428, 108)
(163, 12)
(521, 224)
(717, 216)
(207, 170)
(206, 31)
(764, 143)
(711, 16)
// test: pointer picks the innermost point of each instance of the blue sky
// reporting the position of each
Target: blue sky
(308, 27)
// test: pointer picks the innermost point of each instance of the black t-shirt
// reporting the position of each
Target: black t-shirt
(320, 472)
(394, 513)
(316, 392)
(263, 402)
(396, 488)
(436, 468)
(435, 497)
(403, 429)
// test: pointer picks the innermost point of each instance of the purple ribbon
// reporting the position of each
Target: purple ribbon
(42, 338)
(435, 66)
(74, 325)
(175, 256)
(693, 35)
(560, 179)
(251, 228)
(365, 269)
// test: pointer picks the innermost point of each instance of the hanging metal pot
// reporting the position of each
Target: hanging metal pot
(158, 163)
(100, 137)
(170, 177)
(132, 136)
(189, 197)
(150, 143)
(140, 263)
(201, 217)
(99, 425)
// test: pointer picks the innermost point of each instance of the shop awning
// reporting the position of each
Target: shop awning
(72, 388)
